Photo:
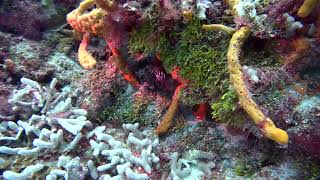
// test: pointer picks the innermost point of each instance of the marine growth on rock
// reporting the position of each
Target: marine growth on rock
(159, 89)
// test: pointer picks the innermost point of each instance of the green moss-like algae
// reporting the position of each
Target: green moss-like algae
(125, 110)
(201, 58)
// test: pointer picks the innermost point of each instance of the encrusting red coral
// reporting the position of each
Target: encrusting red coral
(123, 67)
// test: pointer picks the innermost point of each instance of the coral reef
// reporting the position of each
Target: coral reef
(59, 125)
(159, 89)
(31, 18)
(236, 77)
(94, 23)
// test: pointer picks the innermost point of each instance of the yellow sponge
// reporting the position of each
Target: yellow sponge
(85, 58)
(218, 27)
(274, 133)
(306, 8)
(166, 121)
(246, 101)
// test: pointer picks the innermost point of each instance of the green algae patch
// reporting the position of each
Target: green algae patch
(225, 110)
(146, 41)
(125, 109)
(201, 58)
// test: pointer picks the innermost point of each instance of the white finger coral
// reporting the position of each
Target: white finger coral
(192, 166)
(54, 124)
(25, 174)
(127, 156)
(52, 109)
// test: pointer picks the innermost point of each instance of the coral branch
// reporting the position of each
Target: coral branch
(236, 77)
(166, 121)
(306, 8)
(85, 58)
(219, 27)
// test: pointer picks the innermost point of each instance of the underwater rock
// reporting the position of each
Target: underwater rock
(305, 135)
(30, 18)
(307, 139)
(285, 170)
(5, 107)
(26, 18)
(66, 69)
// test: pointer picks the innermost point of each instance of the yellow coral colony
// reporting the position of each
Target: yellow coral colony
(236, 78)
(306, 8)
(91, 22)
(88, 21)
